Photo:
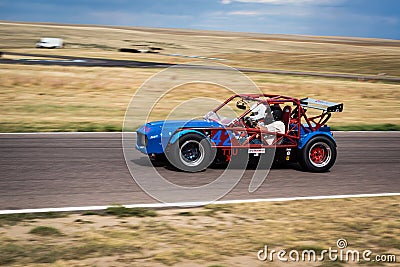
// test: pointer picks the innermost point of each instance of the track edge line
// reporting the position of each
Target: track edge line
(193, 204)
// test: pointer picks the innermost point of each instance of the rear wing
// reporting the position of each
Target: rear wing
(321, 105)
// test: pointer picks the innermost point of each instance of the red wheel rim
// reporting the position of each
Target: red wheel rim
(320, 154)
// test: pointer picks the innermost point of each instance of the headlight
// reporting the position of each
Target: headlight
(142, 139)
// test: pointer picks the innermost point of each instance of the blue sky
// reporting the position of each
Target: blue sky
(362, 18)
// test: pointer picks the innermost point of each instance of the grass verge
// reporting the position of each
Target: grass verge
(121, 211)
(367, 127)
(220, 235)
(15, 127)
(45, 231)
(13, 219)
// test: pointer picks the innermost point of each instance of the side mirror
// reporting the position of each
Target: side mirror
(241, 105)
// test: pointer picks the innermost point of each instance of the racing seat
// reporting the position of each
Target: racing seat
(287, 110)
(276, 112)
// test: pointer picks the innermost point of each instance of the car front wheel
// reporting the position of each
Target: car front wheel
(191, 153)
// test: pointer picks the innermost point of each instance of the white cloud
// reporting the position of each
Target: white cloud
(245, 13)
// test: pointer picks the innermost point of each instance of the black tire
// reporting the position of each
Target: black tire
(191, 153)
(318, 155)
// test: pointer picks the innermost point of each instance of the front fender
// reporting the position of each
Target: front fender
(179, 134)
(307, 137)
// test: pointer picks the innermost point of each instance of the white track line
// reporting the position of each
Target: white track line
(194, 204)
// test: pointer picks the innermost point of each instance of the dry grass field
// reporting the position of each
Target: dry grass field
(60, 98)
(215, 235)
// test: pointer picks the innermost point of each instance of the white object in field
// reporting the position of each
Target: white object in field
(50, 43)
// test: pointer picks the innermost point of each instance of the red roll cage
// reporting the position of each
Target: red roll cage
(294, 118)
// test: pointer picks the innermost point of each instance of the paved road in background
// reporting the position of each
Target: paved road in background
(104, 62)
(85, 169)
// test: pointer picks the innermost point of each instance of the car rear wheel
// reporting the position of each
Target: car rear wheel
(318, 155)
(191, 152)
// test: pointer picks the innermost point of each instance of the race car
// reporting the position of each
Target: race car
(253, 123)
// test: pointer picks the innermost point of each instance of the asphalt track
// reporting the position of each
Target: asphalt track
(88, 169)
(104, 62)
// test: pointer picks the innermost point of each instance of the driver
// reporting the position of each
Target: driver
(268, 120)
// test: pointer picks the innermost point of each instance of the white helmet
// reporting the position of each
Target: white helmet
(258, 112)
